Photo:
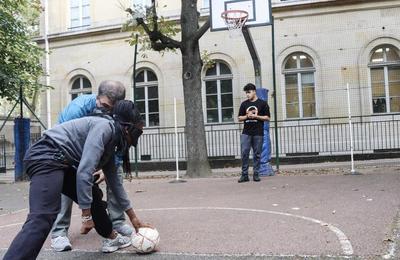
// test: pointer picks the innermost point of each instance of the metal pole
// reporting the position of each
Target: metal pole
(47, 50)
(21, 103)
(8, 116)
(134, 98)
(177, 179)
(4, 152)
(275, 98)
(254, 55)
(353, 171)
(33, 113)
(176, 142)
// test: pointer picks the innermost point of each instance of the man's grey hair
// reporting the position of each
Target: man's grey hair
(112, 89)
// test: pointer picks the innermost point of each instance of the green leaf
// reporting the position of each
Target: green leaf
(19, 21)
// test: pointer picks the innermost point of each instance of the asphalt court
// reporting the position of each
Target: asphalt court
(282, 216)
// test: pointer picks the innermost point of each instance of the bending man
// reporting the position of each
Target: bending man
(109, 93)
(63, 162)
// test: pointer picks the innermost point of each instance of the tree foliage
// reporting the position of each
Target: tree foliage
(19, 54)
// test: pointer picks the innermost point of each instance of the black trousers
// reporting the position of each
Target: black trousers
(49, 179)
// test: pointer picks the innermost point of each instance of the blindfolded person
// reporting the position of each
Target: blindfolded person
(63, 162)
(109, 92)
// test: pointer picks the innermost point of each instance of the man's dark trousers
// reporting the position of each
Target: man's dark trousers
(48, 180)
(248, 142)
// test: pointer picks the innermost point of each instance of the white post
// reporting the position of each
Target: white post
(176, 142)
(47, 50)
(351, 130)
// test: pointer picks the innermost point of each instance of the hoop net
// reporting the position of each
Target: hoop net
(234, 21)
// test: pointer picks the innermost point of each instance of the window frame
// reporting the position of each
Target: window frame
(299, 71)
(81, 17)
(218, 77)
(385, 65)
(81, 90)
(146, 85)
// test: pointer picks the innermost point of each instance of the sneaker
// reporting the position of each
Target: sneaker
(112, 245)
(60, 244)
(243, 178)
(256, 177)
(125, 230)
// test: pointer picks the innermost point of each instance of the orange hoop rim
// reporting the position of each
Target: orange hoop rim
(225, 15)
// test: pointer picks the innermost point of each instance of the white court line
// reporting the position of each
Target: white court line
(125, 252)
(122, 252)
(13, 212)
(247, 255)
(343, 240)
(11, 225)
(21, 223)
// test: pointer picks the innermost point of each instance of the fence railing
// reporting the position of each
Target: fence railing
(323, 136)
(7, 151)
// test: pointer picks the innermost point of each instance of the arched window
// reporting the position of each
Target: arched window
(218, 90)
(146, 96)
(385, 79)
(80, 85)
(299, 86)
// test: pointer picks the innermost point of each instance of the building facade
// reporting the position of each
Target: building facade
(320, 46)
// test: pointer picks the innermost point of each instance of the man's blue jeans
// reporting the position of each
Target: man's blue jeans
(248, 142)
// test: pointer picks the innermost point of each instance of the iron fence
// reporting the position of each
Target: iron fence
(331, 136)
(7, 151)
(321, 136)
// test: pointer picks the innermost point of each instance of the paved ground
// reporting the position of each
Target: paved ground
(305, 212)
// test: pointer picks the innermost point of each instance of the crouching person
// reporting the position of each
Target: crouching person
(63, 162)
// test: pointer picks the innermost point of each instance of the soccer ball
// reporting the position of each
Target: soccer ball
(146, 240)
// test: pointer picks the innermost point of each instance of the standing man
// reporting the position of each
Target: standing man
(109, 93)
(253, 112)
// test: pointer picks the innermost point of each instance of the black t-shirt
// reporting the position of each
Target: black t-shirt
(252, 126)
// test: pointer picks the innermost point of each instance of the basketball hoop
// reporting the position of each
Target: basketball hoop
(234, 21)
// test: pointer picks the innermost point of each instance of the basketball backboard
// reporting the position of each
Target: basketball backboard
(259, 12)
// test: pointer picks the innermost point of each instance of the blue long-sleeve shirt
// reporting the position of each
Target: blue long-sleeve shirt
(79, 107)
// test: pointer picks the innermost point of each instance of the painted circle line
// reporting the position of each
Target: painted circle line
(347, 248)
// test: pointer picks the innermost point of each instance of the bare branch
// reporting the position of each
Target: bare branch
(159, 46)
(169, 41)
(203, 29)
(158, 37)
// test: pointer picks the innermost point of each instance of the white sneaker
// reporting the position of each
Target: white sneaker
(125, 230)
(60, 244)
(112, 245)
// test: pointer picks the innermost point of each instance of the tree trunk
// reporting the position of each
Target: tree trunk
(197, 161)
(35, 100)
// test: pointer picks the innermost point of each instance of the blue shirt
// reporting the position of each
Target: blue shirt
(79, 107)
(82, 106)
